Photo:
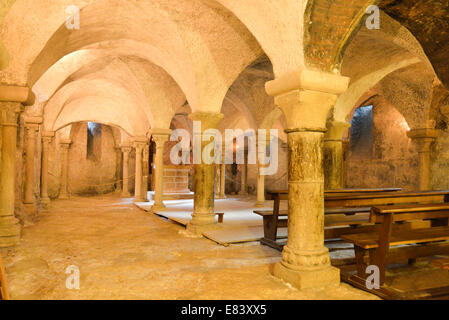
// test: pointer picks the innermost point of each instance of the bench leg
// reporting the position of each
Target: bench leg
(360, 260)
(269, 228)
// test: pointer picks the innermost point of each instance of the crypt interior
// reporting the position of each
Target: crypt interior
(91, 92)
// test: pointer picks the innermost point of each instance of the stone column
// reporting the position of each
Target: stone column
(333, 155)
(260, 179)
(9, 225)
(306, 97)
(217, 180)
(244, 173)
(64, 148)
(145, 171)
(222, 194)
(160, 137)
(31, 127)
(46, 140)
(125, 185)
(118, 169)
(423, 139)
(203, 216)
(139, 145)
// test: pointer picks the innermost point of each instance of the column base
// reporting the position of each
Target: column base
(199, 229)
(126, 195)
(9, 231)
(305, 279)
(31, 212)
(139, 200)
(158, 207)
(220, 197)
(45, 202)
(64, 197)
(260, 204)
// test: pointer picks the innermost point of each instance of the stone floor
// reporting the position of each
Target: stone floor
(125, 253)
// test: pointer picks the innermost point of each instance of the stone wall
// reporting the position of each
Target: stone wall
(393, 161)
(86, 177)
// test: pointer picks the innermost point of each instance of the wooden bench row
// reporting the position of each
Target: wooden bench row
(391, 244)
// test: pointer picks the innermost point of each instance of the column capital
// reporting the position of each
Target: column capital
(65, 143)
(48, 134)
(209, 120)
(17, 94)
(307, 80)
(423, 138)
(160, 139)
(306, 97)
(125, 148)
(31, 121)
(160, 132)
(335, 130)
(9, 112)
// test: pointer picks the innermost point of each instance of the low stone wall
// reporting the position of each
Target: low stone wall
(176, 179)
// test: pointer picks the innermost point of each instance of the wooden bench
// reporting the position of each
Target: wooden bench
(441, 263)
(4, 295)
(374, 248)
(335, 222)
(335, 200)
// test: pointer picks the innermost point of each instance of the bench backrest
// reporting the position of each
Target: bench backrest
(407, 212)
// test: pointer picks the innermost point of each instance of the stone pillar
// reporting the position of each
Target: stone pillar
(64, 148)
(222, 194)
(217, 180)
(160, 137)
(203, 216)
(423, 139)
(145, 171)
(9, 225)
(118, 169)
(46, 140)
(306, 97)
(138, 145)
(244, 173)
(125, 184)
(260, 179)
(333, 155)
(31, 127)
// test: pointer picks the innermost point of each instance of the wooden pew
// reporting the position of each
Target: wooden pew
(374, 248)
(274, 219)
(4, 295)
(384, 198)
(340, 202)
(334, 221)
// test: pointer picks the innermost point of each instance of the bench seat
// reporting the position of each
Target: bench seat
(327, 211)
(371, 240)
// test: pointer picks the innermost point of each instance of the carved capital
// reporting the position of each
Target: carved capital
(423, 138)
(335, 130)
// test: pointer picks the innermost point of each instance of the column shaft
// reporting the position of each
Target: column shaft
(31, 130)
(64, 147)
(160, 140)
(9, 225)
(46, 140)
(138, 178)
(125, 185)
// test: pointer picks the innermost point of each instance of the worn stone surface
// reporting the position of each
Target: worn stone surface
(125, 253)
